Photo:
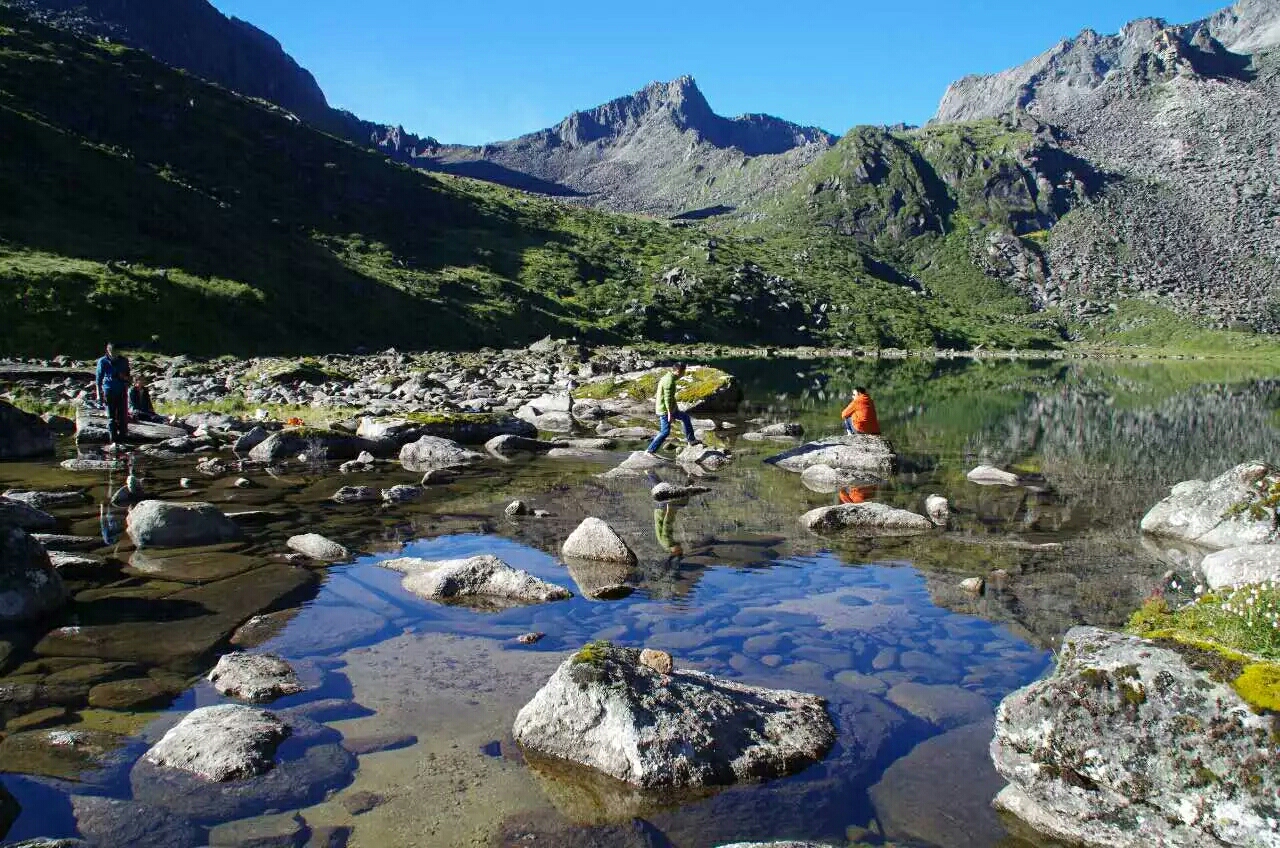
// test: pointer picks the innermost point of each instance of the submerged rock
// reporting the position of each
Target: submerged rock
(318, 547)
(636, 465)
(162, 524)
(1187, 762)
(868, 518)
(23, 435)
(30, 587)
(870, 456)
(430, 453)
(112, 823)
(1222, 513)
(1238, 566)
(254, 677)
(596, 540)
(221, 743)
(481, 578)
(605, 710)
(988, 475)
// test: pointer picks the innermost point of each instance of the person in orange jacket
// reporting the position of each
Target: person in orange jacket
(860, 415)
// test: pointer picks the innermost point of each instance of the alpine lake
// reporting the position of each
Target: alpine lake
(418, 698)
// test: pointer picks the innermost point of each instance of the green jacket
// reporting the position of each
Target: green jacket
(665, 400)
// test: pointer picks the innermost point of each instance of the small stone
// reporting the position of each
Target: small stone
(973, 585)
(659, 661)
(530, 638)
(243, 483)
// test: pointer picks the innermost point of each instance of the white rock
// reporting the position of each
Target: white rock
(938, 510)
(1238, 566)
(220, 743)
(484, 579)
(318, 547)
(872, 456)
(254, 677)
(869, 518)
(988, 475)
(596, 540)
(1216, 514)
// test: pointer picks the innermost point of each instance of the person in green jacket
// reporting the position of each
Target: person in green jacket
(667, 409)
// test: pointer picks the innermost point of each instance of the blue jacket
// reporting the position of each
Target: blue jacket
(113, 373)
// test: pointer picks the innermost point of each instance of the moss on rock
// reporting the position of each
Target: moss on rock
(701, 389)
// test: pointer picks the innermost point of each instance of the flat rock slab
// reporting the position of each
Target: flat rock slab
(1217, 514)
(186, 566)
(220, 743)
(1240, 566)
(509, 446)
(285, 830)
(604, 710)
(595, 540)
(163, 524)
(482, 580)
(62, 542)
(91, 428)
(1160, 724)
(868, 455)
(258, 678)
(872, 519)
(89, 464)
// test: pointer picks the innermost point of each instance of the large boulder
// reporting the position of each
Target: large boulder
(605, 710)
(1127, 744)
(254, 677)
(162, 524)
(480, 580)
(1238, 566)
(430, 453)
(595, 540)
(314, 442)
(875, 519)
(23, 435)
(870, 456)
(1226, 512)
(220, 743)
(30, 587)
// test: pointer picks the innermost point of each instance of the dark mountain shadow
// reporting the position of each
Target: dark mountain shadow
(481, 169)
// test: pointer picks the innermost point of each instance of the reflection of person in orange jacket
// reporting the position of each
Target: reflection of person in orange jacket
(857, 494)
(860, 415)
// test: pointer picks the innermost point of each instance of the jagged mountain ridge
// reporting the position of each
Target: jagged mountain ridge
(661, 150)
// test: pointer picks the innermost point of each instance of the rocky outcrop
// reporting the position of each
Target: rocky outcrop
(23, 435)
(1127, 743)
(596, 541)
(1229, 511)
(162, 524)
(870, 456)
(873, 519)
(30, 587)
(605, 710)
(221, 743)
(430, 453)
(258, 678)
(1240, 566)
(480, 580)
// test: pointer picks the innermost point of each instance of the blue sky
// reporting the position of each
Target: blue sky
(470, 72)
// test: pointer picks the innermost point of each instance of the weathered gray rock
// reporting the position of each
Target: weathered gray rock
(485, 580)
(429, 453)
(1126, 744)
(636, 465)
(867, 518)
(89, 464)
(402, 493)
(595, 540)
(30, 587)
(825, 479)
(987, 475)
(221, 743)
(356, 494)
(872, 456)
(790, 429)
(704, 457)
(162, 524)
(1238, 566)
(604, 710)
(250, 440)
(318, 547)
(112, 823)
(23, 435)
(24, 516)
(509, 446)
(44, 500)
(671, 491)
(254, 677)
(1220, 513)
(938, 510)
(316, 444)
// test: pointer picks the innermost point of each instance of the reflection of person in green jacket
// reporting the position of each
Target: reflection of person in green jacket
(664, 527)
(668, 409)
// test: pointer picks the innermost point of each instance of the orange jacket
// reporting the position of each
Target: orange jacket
(863, 412)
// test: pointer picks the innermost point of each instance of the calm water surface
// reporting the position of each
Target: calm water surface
(912, 665)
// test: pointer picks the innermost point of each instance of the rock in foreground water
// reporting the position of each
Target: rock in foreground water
(605, 710)
(254, 677)
(1222, 513)
(868, 518)
(596, 540)
(481, 578)
(432, 452)
(1187, 763)
(162, 524)
(225, 742)
(318, 547)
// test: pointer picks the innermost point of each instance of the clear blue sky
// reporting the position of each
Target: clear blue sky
(487, 70)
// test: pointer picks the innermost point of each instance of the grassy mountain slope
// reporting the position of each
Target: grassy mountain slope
(145, 205)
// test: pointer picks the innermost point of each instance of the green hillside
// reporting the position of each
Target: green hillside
(147, 206)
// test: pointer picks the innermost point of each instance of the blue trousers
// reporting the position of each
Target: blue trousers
(664, 430)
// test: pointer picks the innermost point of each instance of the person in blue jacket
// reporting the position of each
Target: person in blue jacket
(112, 382)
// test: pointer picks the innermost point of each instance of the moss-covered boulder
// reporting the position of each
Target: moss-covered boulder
(701, 389)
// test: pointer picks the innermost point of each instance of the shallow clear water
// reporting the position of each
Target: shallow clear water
(911, 664)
